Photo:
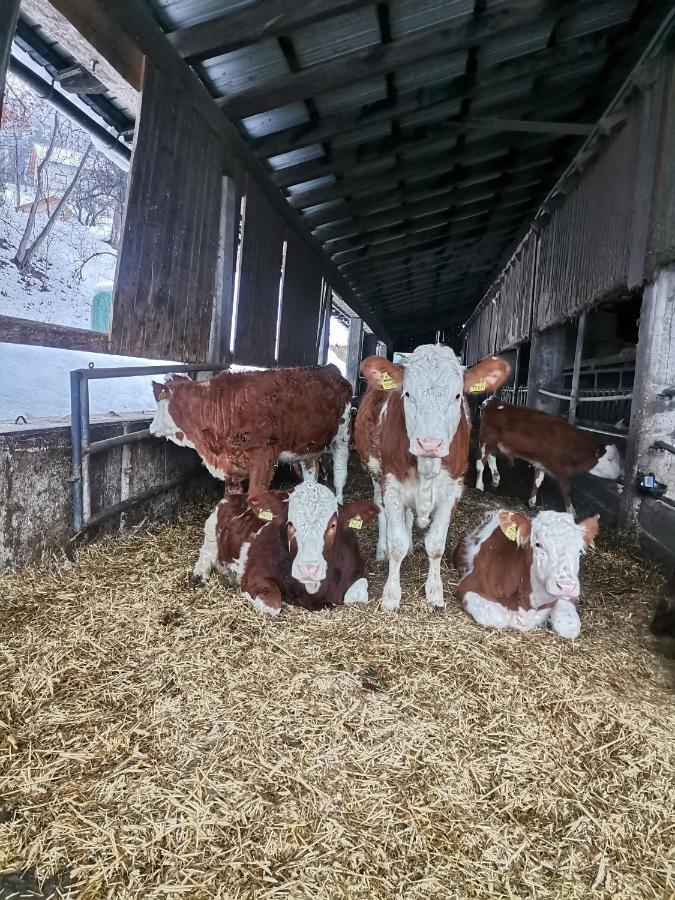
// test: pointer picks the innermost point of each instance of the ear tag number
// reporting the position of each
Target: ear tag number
(512, 532)
(478, 387)
(162, 395)
(356, 523)
(387, 382)
(266, 515)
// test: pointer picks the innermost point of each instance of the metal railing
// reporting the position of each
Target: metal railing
(83, 448)
(599, 407)
(516, 396)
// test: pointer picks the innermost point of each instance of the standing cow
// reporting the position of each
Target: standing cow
(549, 443)
(412, 433)
(241, 423)
(301, 548)
(521, 573)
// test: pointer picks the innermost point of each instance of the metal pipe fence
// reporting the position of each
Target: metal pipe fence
(83, 448)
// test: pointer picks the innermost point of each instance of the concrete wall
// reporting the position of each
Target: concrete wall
(36, 507)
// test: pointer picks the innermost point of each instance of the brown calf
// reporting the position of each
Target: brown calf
(521, 573)
(550, 444)
(241, 423)
(300, 548)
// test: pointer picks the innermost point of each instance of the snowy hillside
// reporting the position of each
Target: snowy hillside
(62, 287)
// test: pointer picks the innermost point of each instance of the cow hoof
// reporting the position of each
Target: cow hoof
(262, 607)
(389, 604)
(357, 593)
(436, 602)
(479, 487)
(532, 502)
(381, 554)
(197, 581)
(495, 483)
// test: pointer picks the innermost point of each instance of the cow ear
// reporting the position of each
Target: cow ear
(591, 528)
(487, 375)
(381, 374)
(356, 515)
(270, 506)
(515, 526)
(159, 390)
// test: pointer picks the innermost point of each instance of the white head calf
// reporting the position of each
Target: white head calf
(609, 464)
(163, 424)
(433, 383)
(556, 543)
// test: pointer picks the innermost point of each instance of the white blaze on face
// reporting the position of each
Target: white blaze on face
(433, 388)
(164, 426)
(557, 544)
(609, 464)
(312, 509)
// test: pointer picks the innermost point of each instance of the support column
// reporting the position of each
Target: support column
(653, 409)
(578, 355)
(9, 14)
(354, 351)
(547, 360)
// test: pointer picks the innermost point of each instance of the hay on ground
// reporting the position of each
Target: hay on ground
(157, 741)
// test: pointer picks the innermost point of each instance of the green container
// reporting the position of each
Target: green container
(101, 307)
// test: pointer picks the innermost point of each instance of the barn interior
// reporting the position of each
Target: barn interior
(491, 175)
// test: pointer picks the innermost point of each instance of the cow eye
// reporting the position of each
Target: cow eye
(537, 545)
(458, 396)
(333, 526)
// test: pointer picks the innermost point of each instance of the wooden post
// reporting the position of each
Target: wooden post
(578, 353)
(325, 327)
(354, 351)
(221, 322)
(9, 14)
(516, 373)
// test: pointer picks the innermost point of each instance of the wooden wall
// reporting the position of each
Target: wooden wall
(166, 271)
(301, 306)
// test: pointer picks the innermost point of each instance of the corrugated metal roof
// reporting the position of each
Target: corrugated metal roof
(409, 16)
(434, 71)
(295, 157)
(276, 120)
(315, 44)
(182, 13)
(240, 69)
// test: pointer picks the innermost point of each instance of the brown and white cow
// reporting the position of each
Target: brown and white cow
(412, 433)
(300, 548)
(523, 573)
(241, 423)
(550, 444)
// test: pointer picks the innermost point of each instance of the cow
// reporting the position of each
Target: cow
(523, 573)
(301, 548)
(412, 434)
(242, 423)
(550, 444)
(663, 623)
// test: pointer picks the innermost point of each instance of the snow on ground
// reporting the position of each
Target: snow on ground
(61, 288)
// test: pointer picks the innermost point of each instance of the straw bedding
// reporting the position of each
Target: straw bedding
(157, 741)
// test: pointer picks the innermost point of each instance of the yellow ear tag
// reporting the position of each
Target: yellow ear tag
(512, 531)
(162, 396)
(478, 387)
(387, 382)
(266, 515)
(356, 522)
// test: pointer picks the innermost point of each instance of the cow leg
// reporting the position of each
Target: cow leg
(566, 491)
(494, 471)
(340, 453)
(565, 620)
(262, 593)
(409, 518)
(381, 551)
(357, 592)
(536, 484)
(208, 555)
(260, 475)
(397, 545)
(446, 496)
(309, 469)
(480, 466)
(485, 612)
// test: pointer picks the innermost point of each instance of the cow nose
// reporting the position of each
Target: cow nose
(429, 445)
(309, 571)
(567, 587)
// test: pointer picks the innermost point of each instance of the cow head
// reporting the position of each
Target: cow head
(314, 519)
(557, 543)
(609, 463)
(163, 424)
(270, 506)
(432, 384)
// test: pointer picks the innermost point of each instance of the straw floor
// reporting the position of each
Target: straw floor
(162, 742)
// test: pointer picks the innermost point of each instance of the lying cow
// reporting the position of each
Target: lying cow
(299, 548)
(549, 443)
(522, 573)
(412, 434)
(241, 423)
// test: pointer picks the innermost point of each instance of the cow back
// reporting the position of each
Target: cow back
(494, 567)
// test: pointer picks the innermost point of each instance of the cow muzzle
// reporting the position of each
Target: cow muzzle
(310, 575)
(563, 587)
(430, 446)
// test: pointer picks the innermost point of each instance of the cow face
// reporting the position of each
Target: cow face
(557, 543)
(314, 519)
(608, 464)
(163, 424)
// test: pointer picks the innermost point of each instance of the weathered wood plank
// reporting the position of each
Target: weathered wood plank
(301, 302)
(9, 14)
(44, 334)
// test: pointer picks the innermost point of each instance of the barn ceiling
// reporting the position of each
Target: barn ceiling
(417, 138)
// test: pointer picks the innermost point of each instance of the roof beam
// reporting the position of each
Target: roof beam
(242, 27)
(532, 65)
(383, 58)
